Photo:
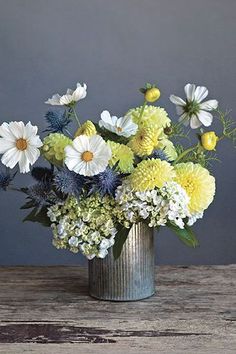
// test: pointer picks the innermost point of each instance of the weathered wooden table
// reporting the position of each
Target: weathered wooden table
(48, 310)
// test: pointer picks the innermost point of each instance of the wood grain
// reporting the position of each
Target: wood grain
(48, 310)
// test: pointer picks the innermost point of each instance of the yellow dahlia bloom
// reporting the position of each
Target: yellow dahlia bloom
(198, 183)
(150, 174)
(88, 128)
(123, 155)
(152, 117)
(144, 141)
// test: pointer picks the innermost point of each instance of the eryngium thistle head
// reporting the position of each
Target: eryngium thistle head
(105, 182)
(42, 174)
(57, 121)
(41, 194)
(5, 179)
(69, 182)
(158, 154)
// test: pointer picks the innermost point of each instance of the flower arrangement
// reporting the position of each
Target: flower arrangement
(104, 177)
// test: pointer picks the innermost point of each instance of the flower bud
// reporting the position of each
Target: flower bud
(209, 140)
(152, 94)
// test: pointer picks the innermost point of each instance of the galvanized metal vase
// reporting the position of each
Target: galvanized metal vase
(131, 276)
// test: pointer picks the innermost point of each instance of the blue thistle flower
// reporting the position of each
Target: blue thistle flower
(57, 121)
(158, 154)
(41, 194)
(105, 182)
(42, 174)
(69, 182)
(5, 179)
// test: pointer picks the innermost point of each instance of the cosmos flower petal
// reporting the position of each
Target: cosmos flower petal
(17, 129)
(177, 100)
(209, 105)
(195, 122)
(5, 145)
(6, 133)
(201, 92)
(54, 101)
(11, 157)
(24, 163)
(205, 118)
(189, 91)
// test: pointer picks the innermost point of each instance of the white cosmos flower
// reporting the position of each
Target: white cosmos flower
(121, 126)
(70, 98)
(87, 156)
(193, 110)
(19, 143)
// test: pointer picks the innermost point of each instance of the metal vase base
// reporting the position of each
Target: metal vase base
(129, 278)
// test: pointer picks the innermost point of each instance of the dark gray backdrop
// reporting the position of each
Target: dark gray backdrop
(116, 46)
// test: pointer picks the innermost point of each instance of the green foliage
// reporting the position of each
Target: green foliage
(39, 216)
(176, 131)
(185, 235)
(120, 239)
(107, 135)
(228, 125)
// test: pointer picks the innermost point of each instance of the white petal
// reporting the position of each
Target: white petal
(106, 117)
(17, 129)
(66, 99)
(54, 101)
(35, 141)
(6, 133)
(209, 105)
(184, 118)
(189, 91)
(11, 157)
(32, 154)
(6, 145)
(24, 163)
(179, 110)
(177, 100)
(82, 143)
(29, 130)
(79, 93)
(200, 93)
(205, 118)
(195, 122)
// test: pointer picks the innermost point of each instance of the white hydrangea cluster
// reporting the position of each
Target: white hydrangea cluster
(85, 226)
(157, 206)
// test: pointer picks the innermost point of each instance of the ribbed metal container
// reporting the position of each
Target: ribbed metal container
(131, 276)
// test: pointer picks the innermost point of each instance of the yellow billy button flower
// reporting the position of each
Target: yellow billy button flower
(152, 94)
(209, 140)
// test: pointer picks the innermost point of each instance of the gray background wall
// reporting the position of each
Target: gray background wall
(116, 46)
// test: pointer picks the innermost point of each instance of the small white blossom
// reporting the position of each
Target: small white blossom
(70, 97)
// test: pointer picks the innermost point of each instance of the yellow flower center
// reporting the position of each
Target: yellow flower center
(119, 129)
(189, 186)
(21, 144)
(87, 156)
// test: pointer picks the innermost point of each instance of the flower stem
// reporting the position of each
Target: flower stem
(76, 116)
(142, 110)
(184, 153)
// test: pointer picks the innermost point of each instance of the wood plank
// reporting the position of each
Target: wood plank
(47, 309)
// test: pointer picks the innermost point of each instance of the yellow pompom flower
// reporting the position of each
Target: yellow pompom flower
(144, 141)
(123, 155)
(53, 148)
(150, 174)
(88, 128)
(152, 117)
(198, 183)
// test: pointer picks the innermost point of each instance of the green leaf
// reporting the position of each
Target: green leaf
(185, 235)
(120, 239)
(107, 135)
(28, 205)
(39, 216)
(142, 90)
